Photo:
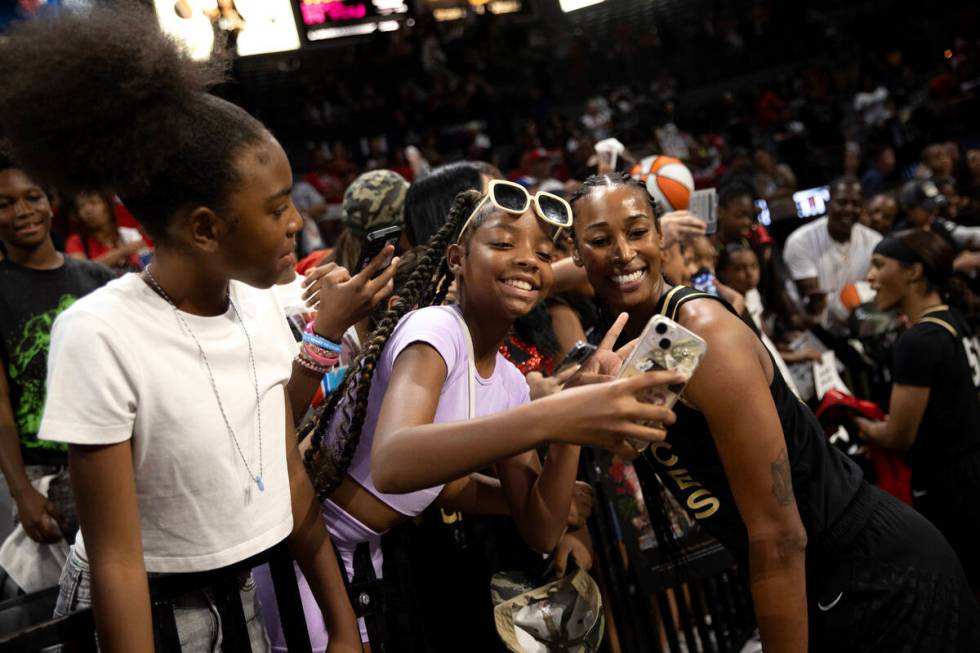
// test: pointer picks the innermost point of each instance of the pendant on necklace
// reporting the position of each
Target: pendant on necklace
(259, 483)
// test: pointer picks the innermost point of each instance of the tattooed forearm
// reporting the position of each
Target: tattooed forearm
(782, 479)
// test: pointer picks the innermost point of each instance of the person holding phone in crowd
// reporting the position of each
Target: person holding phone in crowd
(169, 477)
(934, 413)
(829, 558)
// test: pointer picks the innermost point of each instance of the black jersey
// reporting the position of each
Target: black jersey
(941, 352)
(824, 480)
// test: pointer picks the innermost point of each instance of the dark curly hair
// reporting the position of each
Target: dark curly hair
(102, 100)
(427, 285)
(734, 190)
(7, 161)
(72, 204)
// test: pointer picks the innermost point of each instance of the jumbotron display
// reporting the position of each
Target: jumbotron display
(331, 19)
(245, 27)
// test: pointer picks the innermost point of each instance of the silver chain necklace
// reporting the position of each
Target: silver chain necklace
(214, 387)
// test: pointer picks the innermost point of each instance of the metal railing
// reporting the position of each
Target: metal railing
(651, 609)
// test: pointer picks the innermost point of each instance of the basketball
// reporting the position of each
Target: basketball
(667, 179)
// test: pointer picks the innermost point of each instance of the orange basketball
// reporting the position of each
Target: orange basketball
(667, 179)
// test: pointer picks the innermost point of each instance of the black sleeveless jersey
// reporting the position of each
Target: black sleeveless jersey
(824, 480)
(941, 352)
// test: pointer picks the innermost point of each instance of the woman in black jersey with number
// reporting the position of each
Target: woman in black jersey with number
(833, 563)
(935, 400)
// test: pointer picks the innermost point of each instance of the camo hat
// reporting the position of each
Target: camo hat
(564, 615)
(375, 200)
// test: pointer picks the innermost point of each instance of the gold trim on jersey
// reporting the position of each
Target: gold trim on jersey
(943, 323)
(934, 309)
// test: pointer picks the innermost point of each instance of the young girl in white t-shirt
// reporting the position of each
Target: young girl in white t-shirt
(170, 386)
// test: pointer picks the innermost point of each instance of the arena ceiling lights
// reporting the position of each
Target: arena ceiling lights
(450, 10)
(572, 5)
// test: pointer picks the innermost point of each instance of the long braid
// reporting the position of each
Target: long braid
(428, 283)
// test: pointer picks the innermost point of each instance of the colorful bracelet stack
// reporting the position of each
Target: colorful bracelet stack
(318, 354)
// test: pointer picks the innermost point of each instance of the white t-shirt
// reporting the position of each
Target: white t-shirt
(810, 253)
(121, 366)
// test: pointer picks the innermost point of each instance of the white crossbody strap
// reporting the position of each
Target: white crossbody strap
(470, 360)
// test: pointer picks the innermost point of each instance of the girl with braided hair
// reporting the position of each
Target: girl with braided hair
(833, 563)
(430, 399)
(180, 440)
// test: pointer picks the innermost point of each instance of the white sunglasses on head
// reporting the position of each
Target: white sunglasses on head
(514, 199)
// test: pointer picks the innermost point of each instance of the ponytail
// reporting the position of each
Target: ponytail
(102, 100)
(956, 293)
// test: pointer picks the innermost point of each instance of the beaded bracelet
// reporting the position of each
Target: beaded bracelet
(311, 365)
(312, 337)
(320, 356)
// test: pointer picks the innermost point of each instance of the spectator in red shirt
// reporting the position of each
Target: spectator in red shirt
(99, 237)
(737, 217)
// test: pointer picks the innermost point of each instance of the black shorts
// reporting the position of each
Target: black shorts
(950, 503)
(895, 586)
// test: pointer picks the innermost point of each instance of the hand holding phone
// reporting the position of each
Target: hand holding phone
(376, 241)
(664, 345)
(348, 299)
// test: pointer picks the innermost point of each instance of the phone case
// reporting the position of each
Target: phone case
(704, 204)
(664, 345)
(377, 241)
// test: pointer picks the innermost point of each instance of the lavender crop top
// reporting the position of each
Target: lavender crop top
(438, 327)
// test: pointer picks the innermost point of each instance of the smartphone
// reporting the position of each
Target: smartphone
(376, 241)
(664, 345)
(578, 354)
(704, 204)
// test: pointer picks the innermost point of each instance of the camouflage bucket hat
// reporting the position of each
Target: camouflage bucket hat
(373, 201)
(564, 615)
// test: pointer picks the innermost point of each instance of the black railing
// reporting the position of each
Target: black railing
(76, 632)
(709, 610)
(651, 608)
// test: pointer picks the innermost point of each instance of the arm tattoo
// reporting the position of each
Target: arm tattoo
(782, 479)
